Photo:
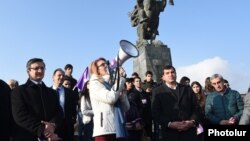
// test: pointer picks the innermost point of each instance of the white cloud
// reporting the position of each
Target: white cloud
(198, 72)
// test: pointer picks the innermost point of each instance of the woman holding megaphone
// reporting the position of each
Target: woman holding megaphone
(108, 103)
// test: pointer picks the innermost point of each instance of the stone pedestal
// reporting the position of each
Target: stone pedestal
(152, 57)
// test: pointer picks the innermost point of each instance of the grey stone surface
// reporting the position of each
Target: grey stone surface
(152, 57)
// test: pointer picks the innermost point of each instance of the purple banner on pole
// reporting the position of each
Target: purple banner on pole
(82, 80)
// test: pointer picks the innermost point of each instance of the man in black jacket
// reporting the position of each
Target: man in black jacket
(68, 102)
(35, 107)
(175, 108)
(5, 111)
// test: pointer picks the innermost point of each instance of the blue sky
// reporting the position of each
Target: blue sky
(205, 37)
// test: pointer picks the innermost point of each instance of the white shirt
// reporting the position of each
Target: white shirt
(61, 94)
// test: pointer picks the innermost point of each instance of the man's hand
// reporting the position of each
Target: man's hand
(188, 124)
(54, 137)
(182, 125)
(230, 121)
(178, 125)
(49, 129)
(122, 72)
(224, 122)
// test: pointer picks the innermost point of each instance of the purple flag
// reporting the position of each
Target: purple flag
(82, 80)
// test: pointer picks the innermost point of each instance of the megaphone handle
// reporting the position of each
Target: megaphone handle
(117, 72)
(110, 74)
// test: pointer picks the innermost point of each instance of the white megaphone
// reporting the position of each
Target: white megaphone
(126, 51)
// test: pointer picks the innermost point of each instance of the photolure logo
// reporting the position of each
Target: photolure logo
(235, 132)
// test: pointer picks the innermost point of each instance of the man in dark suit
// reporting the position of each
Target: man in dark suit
(175, 108)
(143, 102)
(5, 111)
(35, 107)
(68, 102)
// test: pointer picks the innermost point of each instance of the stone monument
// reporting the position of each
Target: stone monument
(152, 57)
(153, 54)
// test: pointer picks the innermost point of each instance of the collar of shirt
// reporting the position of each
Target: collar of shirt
(40, 82)
(57, 88)
(138, 89)
(172, 86)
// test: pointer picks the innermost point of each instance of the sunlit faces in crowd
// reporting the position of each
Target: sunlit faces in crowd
(196, 88)
(36, 71)
(149, 77)
(67, 84)
(129, 83)
(102, 67)
(58, 76)
(218, 83)
(169, 75)
(137, 82)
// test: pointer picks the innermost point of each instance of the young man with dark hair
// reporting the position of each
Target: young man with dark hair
(175, 107)
(68, 72)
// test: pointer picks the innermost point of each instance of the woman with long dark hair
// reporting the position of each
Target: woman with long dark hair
(197, 89)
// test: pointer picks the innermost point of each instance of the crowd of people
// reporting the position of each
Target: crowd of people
(116, 108)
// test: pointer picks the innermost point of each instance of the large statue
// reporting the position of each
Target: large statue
(146, 17)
